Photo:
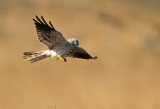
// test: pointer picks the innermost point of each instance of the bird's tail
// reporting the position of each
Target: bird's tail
(36, 56)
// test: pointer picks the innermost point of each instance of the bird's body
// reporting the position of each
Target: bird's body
(57, 44)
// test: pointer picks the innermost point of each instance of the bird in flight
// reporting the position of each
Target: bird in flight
(58, 46)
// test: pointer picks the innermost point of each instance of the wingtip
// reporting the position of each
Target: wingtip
(35, 19)
(36, 15)
(94, 57)
(42, 17)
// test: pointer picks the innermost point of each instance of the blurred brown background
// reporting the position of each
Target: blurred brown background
(124, 34)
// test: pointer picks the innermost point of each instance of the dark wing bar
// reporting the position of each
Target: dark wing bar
(78, 52)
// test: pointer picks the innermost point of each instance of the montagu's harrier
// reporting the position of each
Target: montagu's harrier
(57, 44)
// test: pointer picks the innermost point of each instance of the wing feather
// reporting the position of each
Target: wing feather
(47, 34)
(51, 24)
(79, 52)
(39, 19)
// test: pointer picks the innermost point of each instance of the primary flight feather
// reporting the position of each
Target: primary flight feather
(57, 44)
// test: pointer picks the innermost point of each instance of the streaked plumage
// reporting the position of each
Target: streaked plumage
(57, 44)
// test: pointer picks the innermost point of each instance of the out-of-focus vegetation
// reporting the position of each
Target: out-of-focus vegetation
(125, 35)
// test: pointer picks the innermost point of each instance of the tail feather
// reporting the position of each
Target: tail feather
(35, 56)
(38, 58)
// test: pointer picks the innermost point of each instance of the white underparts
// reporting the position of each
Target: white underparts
(50, 53)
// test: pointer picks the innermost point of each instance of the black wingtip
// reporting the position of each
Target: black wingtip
(42, 21)
(34, 20)
(42, 17)
(51, 24)
(39, 20)
(37, 17)
(94, 57)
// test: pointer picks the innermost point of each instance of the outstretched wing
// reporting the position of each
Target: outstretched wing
(78, 52)
(47, 33)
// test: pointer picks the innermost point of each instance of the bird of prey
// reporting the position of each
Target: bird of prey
(57, 44)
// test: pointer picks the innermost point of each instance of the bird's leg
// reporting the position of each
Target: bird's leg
(65, 60)
(61, 59)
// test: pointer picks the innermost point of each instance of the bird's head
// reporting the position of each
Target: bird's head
(73, 41)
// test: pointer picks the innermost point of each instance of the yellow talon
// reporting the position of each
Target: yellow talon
(60, 58)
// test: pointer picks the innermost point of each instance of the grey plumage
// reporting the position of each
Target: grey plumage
(57, 44)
